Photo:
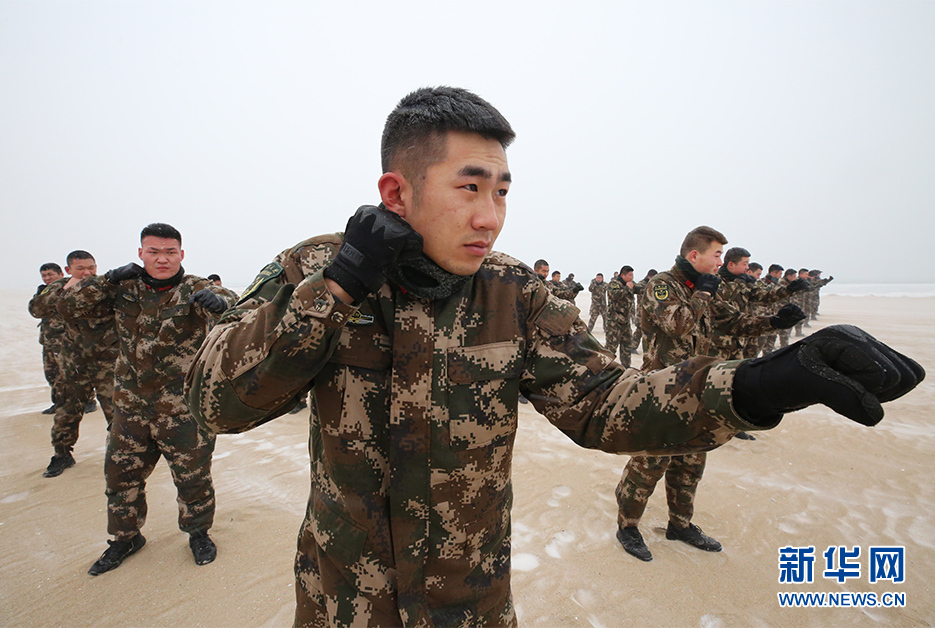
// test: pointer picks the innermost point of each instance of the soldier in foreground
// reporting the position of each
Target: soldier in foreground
(89, 349)
(162, 316)
(51, 330)
(416, 338)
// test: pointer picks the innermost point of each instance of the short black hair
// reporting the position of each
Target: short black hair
(789, 272)
(626, 269)
(414, 136)
(214, 277)
(78, 254)
(774, 267)
(161, 230)
(700, 239)
(735, 254)
(755, 266)
(803, 270)
(539, 264)
(51, 266)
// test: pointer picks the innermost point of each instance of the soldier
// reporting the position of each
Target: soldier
(51, 330)
(787, 279)
(415, 339)
(620, 305)
(598, 290)
(162, 316)
(639, 288)
(560, 288)
(814, 276)
(89, 349)
(801, 299)
(770, 282)
(736, 295)
(542, 270)
(573, 287)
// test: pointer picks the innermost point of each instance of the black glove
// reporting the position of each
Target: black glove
(831, 278)
(209, 301)
(744, 277)
(787, 317)
(798, 285)
(130, 271)
(41, 287)
(842, 367)
(707, 283)
(375, 240)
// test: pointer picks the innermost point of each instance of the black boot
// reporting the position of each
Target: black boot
(633, 543)
(58, 464)
(693, 536)
(744, 436)
(49, 410)
(203, 548)
(116, 553)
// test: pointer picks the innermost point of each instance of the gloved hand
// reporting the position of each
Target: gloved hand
(842, 367)
(130, 271)
(745, 278)
(375, 240)
(707, 283)
(787, 316)
(209, 301)
(798, 285)
(831, 278)
(41, 287)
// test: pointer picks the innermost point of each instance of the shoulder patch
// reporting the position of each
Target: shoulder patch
(270, 271)
(661, 292)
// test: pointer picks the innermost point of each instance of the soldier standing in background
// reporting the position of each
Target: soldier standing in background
(639, 288)
(89, 350)
(818, 283)
(51, 330)
(620, 304)
(770, 282)
(598, 290)
(162, 316)
(801, 299)
(416, 338)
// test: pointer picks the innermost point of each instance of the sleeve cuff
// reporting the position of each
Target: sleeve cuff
(718, 398)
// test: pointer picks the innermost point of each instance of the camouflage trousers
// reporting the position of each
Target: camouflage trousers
(751, 348)
(619, 334)
(597, 310)
(784, 335)
(80, 379)
(767, 342)
(134, 446)
(51, 356)
(683, 473)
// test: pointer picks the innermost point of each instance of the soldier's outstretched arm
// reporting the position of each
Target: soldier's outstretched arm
(44, 303)
(80, 299)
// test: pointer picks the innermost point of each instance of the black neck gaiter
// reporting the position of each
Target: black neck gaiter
(162, 284)
(425, 279)
(686, 267)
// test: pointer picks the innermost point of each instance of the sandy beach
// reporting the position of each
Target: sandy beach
(817, 480)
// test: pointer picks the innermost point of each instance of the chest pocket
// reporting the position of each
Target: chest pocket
(352, 390)
(483, 389)
(182, 309)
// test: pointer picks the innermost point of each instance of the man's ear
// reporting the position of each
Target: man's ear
(395, 192)
(692, 256)
(140, 254)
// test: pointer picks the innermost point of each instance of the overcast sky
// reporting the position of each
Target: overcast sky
(805, 131)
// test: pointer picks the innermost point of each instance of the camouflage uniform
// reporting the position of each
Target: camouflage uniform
(413, 420)
(160, 332)
(735, 324)
(795, 299)
(562, 290)
(618, 332)
(598, 302)
(801, 299)
(638, 335)
(89, 350)
(51, 337)
(767, 341)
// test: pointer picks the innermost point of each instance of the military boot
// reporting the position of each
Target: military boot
(693, 536)
(203, 548)
(633, 543)
(116, 553)
(58, 464)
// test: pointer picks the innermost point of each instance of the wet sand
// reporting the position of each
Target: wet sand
(816, 480)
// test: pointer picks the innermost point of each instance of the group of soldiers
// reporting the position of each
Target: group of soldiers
(704, 305)
(128, 337)
(416, 341)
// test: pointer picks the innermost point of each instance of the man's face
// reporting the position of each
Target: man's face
(627, 278)
(463, 203)
(599, 279)
(82, 268)
(739, 267)
(543, 271)
(755, 273)
(556, 276)
(161, 257)
(803, 275)
(709, 260)
(48, 276)
(777, 274)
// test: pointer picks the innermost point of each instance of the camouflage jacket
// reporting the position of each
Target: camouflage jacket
(52, 325)
(562, 290)
(620, 300)
(677, 318)
(736, 319)
(159, 331)
(598, 293)
(87, 338)
(413, 418)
